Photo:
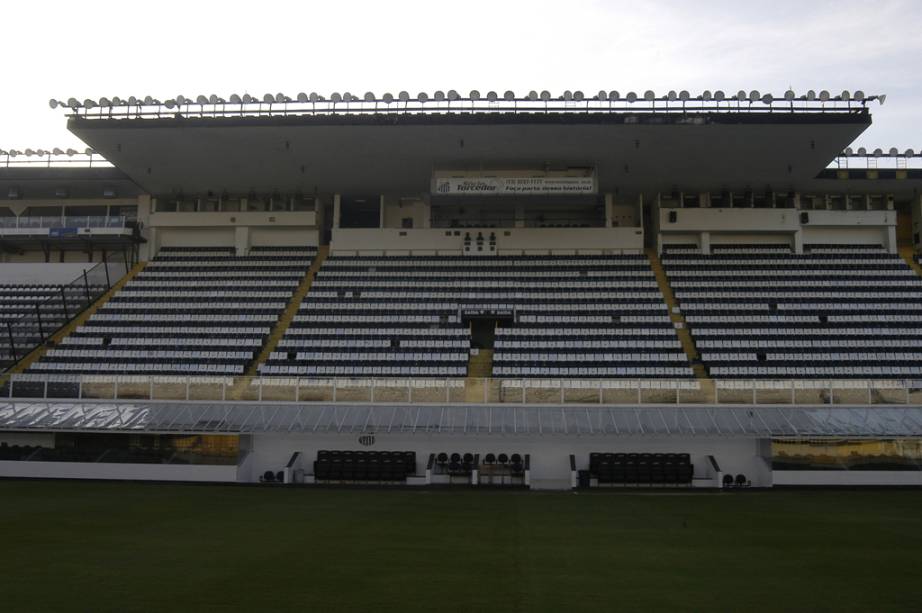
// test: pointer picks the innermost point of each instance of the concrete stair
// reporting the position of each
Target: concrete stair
(282, 325)
(685, 337)
(479, 374)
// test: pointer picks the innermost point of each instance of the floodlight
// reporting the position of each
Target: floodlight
(105, 102)
(57, 151)
(13, 153)
(858, 95)
(387, 97)
(268, 98)
(474, 95)
(116, 101)
(754, 95)
(845, 95)
(878, 152)
(649, 95)
(439, 95)
(882, 98)
(280, 97)
(848, 151)
(492, 96)
(148, 101)
(631, 97)
(789, 95)
(453, 95)
(894, 152)
(302, 97)
(132, 101)
(578, 96)
(336, 97)
(601, 95)
(234, 99)
(248, 99)
(824, 96)
(88, 103)
(422, 96)
(2, 152)
(89, 151)
(811, 95)
(707, 95)
(30, 152)
(741, 95)
(719, 95)
(53, 103)
(40, 152)
(672, 96)
(614, 96)
(532, 95)
(73, 103)
(567, 95)
(767, 98)
(684, 95)
(862, 151)
(403, 96)
(545, 95)
(909, 153)
(347, 97)
(314, 97)
(369, 97)
(181, 100)
(71, 152)
(509, 95)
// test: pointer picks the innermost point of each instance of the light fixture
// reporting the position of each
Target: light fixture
(212, 99)
(754, 95)
(403, 96)
(105, 102)
(280, 97)
(453, 95)
(336, 97)
(314, 97)
(894, 152)
(492, 96)
(53, 103)
(268, 98)
(811, 95)
(845, 95)
(720, 96)
(474, 95)
(909, 153)
(824, 96)
(509, 95)
(88, 103)
(387, 97)
(767, 99)
(862, 151)
(544, 95)
(684, 95)
(578, 95)
(302, 97)
(132, 101)
(858, 95)
(234, 98)
(57, 151)
(73, 103)
(789, 95)
(882, 98)
(631, 97)
(614, 96)
(439, 96)
(89, 151)
(672, 96)
(71, 152)
(422, 96)
(149, 101)
(848, 151)
(567, 95)
(878, 152)
(649, 96)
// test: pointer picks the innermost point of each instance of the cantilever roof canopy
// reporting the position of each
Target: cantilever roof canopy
(572, 420)
(632, 152)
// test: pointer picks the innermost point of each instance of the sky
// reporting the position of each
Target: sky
(69, 49)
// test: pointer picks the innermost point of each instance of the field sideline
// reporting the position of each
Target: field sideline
(152, 547)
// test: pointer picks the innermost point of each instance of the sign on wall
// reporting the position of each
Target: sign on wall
(506, 186)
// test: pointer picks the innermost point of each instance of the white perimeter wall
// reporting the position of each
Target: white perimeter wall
(550, 455)
(41, 272)
(374, 241)
(101, 470)
(848, 477)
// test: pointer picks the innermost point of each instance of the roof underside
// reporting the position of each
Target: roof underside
(631, 153)
(308, 419)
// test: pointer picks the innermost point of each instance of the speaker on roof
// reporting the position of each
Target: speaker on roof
(804, 218)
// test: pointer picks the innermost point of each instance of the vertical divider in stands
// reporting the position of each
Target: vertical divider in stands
(9, 331)
(41, 330)
(86, 286)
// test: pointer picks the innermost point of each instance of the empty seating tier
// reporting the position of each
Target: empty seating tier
(191, 311)
(834, 312)
(30, 313)
(568, 316)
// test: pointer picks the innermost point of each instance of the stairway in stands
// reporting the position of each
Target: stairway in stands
(479, 373)
(278, 331)
(685, 337)
(77, 321)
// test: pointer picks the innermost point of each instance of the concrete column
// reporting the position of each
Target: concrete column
(609, 203)
(242, 240)
(799, 241)
(704, 243)
(336, 210)
(381, 211)
(145, 207)
(892, 247)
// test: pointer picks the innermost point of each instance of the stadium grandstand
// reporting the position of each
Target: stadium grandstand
(533, 290)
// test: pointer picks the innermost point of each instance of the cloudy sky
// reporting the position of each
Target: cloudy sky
(73, 49)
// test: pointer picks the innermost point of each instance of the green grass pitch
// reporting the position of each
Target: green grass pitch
(90, 546)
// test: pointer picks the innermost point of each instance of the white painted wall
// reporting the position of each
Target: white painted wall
(848, 477)
(101, 470)
(508, 240)
(41, 272)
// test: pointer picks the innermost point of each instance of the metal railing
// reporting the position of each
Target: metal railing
(462, 391)
(66, 221)
(19, 336)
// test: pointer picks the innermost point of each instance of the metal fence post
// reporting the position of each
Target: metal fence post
(9, 330)
(86, 287)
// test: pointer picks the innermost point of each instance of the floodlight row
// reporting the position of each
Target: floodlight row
(474, 96)
(46, 152)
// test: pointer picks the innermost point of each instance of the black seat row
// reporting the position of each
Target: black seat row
(364, 465)
(641, 468)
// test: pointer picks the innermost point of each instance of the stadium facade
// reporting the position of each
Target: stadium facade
(534, 291)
